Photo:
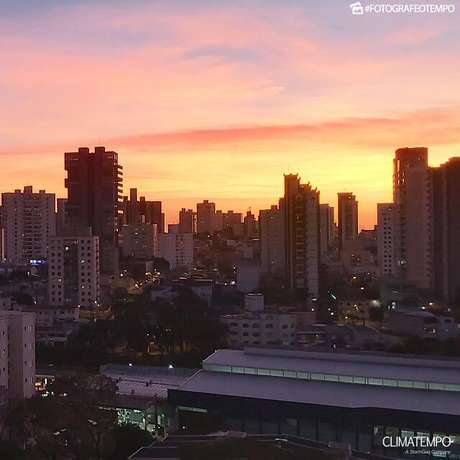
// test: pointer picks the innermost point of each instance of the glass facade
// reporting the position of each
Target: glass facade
(351, 379)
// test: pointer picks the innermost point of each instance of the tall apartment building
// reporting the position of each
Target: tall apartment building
(205, 212)
(187, 221)
(326, 227)
(250, 225)
(386, 215)
(29, 219)
(139, 241)
(60, 215)
(446, 229)
(412, 196)
(74, 270)
(142, 211)
(17, 354)
(347, 218)
(94, 186)
(177, 249)
(301, 224)
(272, 241)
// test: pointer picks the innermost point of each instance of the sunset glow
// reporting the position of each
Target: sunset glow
(215, 100)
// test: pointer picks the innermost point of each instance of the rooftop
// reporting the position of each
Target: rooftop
(332, 379)
(352, 364)
(146, 381)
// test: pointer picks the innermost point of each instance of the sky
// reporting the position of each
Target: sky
(208, 99)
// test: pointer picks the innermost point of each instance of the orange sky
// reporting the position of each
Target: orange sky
(217, 102)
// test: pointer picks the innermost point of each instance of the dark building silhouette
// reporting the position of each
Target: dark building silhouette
(412, 196)
(187, 221)
(347, 218)
(301, 224)
(94, 186)
(142, 211)
(446, 229)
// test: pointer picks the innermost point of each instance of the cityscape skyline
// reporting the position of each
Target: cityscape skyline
(258, 84)
(172, 206)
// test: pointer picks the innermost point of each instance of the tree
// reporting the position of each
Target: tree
(70, 422)
(129, 438)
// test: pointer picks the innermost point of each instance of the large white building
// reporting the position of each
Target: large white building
(29, 219)
(74, 270)
(17, 354)
(177, 249)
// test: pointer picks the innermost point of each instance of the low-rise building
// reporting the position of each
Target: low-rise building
(420, 323)
(349, 398)
(260, 328)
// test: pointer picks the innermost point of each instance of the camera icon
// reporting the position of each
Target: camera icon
(357, 8)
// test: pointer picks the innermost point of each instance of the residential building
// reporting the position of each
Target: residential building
(347, 218)
(177, 249)
(17, 355)
(446, 230)
(94, 186)
(250, 225)
(386, 221)
(412, 196)
(74, 270)
(260, 328)
(187, 221)
(139, 241)
(232, 222)
(29, 219)
(142, 211)
(272, 240)
(301, 226)
(60, 214)
(204, 216)
(326, 227)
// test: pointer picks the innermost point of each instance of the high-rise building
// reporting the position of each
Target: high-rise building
(272, 243)
(74, 270)
(347, 218)
(29, 219)
(412, 196)
(187, 221)
(60, 214)
(94, 186)
(151, 212)
(446, 229)
(205, 212)
(217, 221)
(142, 211)
(177, 249)
(131, 208)
(385, 239)
(232, 222)
(139, 241)
(17, 357)
(250, 225)
(301, 225)
(326, 227)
